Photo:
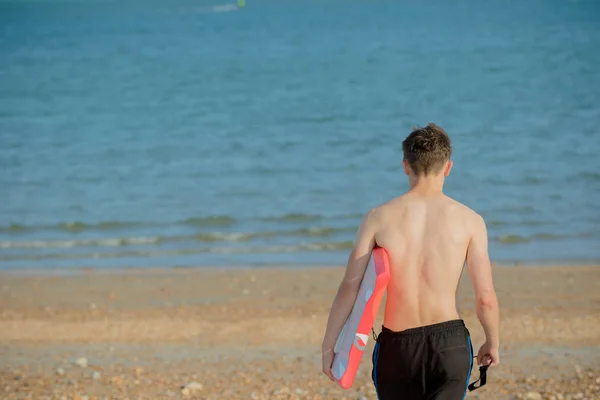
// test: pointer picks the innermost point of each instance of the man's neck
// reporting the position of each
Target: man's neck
(427, 184)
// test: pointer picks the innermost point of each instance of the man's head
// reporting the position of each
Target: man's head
(427, 151)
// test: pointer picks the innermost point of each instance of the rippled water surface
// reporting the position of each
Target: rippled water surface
(196, 133)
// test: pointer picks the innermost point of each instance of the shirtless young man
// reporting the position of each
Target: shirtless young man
(424, 350)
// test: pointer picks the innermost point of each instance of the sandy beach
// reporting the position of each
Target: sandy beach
(256, 333)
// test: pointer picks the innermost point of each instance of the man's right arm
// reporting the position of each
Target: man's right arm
(480, 272)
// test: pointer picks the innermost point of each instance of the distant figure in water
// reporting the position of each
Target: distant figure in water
(424, 349)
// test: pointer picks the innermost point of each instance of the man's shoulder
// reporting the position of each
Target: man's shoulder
(405, 201)
(467, 211)
(389, 206)
(395, 202)
(378, 213)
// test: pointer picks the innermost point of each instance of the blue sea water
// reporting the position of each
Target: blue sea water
(168, 133)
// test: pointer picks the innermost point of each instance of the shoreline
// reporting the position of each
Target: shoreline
(36, 271)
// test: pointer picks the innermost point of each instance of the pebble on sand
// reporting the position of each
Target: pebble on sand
(60, 371)
(96, 376)
(117, 380)
(191, 387)
(81, 362)
(532, 396)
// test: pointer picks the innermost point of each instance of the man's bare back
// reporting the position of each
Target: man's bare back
(424, 349)
(427, 236)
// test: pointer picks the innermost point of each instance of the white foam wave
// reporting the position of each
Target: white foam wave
(179, 252)
(39, 244)
(224, 8)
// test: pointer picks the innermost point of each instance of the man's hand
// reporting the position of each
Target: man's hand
(488, 355)
(327, 356)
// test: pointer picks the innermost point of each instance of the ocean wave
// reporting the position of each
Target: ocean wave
(294, 217)
(514, 239)
(14, 228)
(78, 226)
(229, 237)
(74, 226)
(534, 222)
(315, 247)
(224, 8)
(206, 237)
(38, 244)
(322, 231)
(210, 220)
(550, 236)
(496, 223)
(301, 217)
(329, 246)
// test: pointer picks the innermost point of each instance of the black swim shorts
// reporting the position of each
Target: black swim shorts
(425, 363)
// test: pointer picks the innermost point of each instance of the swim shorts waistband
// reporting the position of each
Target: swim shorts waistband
(426, 329)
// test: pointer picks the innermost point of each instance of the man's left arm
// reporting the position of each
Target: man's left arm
(348, 289)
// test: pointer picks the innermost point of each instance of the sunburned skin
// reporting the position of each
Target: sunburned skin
(428, 238)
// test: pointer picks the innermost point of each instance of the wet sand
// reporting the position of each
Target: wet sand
(256, 333)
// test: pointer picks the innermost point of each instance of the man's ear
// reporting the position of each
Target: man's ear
(406, 167)
(448, 168)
